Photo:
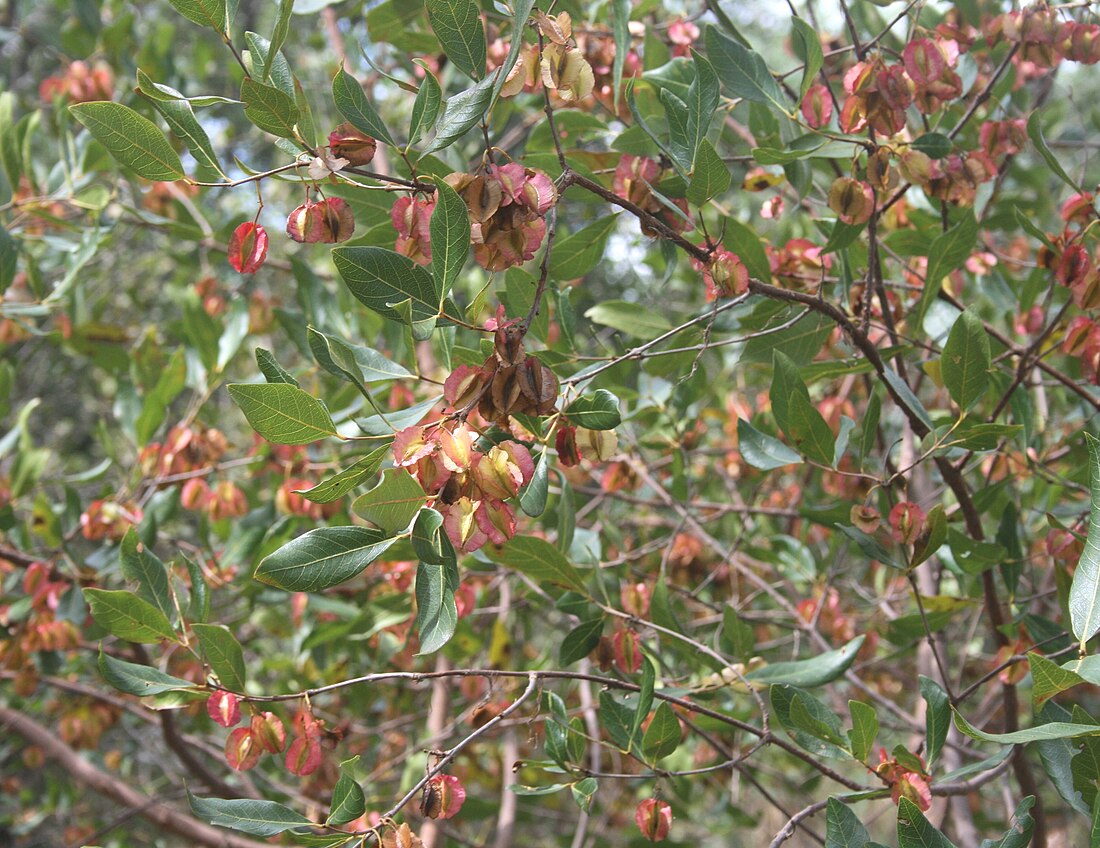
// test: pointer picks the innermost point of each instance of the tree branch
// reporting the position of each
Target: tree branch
(82, 771)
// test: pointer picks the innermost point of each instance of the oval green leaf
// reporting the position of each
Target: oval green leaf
(353, 104)
(125, 615)
(133, 141)
(822, 669)
(322, 558)
(597, 411)
(282, 413)
(1084, 592)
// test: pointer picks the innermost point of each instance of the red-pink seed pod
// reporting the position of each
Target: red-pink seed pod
(248, 248)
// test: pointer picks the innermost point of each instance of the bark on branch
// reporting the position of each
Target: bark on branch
(83, 772)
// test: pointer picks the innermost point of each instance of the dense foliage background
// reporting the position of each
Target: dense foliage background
(687, 440)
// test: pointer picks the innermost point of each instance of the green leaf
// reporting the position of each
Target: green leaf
(258, 818)
(966, 361)
(827, 729)
(9, 259)
(822, 669)
(807, 47)
(125, 615)
(282, 413)
(1019, 834)
(532, 500)
(1033, 229)
(142, 566)
(982, 437)
(436, 613)
(737, 634)
(1048, 678)
(710, 176)
(437, 580)
(270, 109)
(934, 145)
(578, 253)
(390, 422)
(775, 156)
(580, 641)
(864, 729)
(268, 64)
(181, 119)
(199, 607)
(1084, 592)
(134, 679)
(429, 542)
(869, 428)
(392, 504)
(381, 279)
(937, 717)
(211, 13)
(223, 653)
(457, 25)
(795, 708)
(743, 241)
(322, 558)
(279, 34)
(539, 560)
(596, 411)
(871, 546)
(158, 400)
(645, 696)
(932, 537)
(911, 401)
(520, 789)
(583, 791)
(273, 372)
(450, 237)
(809, 431)
(340, 484)
(1035, 133)
(743, 72)
(348, 801)
(662, 737)
(617, 719)
(1057, 759)
(761, 450)
(353, 104)
(702, 100)
(786, 383)
(425, 109)
(631, 318)
(1039, 733)
(461, 112)
(915, 831)
(521, 11)
(620, 27)
(159, 91)
(132, 140)
(361, 365)
(843, 829)
(948, 252)
(677, 120)
(842, 235)
(676, 75)
(557, 730)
